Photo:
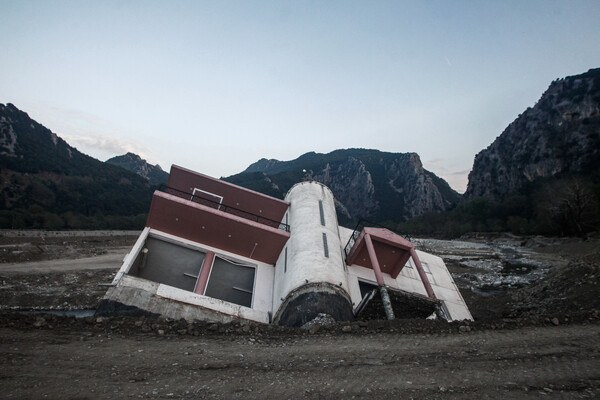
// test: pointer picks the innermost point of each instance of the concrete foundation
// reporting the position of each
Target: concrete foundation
(155, 298)
(305, 303)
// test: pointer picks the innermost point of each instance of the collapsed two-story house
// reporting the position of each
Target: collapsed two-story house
(215, 251)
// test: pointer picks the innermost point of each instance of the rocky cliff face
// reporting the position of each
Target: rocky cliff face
(352, 186)
(154, 174)
(418, 186)
(561, 133)
(366, 183)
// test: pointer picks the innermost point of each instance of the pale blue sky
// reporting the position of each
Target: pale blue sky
(216, 85)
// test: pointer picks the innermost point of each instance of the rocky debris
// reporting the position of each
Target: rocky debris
(160, 326)
(571, 288)
(465, 326)
(54, 290)
(502, 275)
(319, 321)
(489, 264)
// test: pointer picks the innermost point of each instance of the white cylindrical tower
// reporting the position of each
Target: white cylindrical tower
(310, 277)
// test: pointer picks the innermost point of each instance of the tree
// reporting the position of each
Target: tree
(572, 204)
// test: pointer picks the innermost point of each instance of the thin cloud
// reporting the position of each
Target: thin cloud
(96, 143)
(88, 132)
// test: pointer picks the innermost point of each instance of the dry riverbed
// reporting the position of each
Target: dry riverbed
(530, 339)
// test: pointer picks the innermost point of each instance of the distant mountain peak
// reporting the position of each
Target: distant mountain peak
(154, 174)
(23, 140)
(262, 165)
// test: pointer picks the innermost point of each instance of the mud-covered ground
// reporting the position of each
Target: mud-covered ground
(506, 276)
(536, 332)
(59, 270)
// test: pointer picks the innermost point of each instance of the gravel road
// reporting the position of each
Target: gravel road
(560, 362)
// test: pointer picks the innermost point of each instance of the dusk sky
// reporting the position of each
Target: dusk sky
(216, 85)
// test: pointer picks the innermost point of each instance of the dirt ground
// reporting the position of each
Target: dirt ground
(59, 270)
(527, 342)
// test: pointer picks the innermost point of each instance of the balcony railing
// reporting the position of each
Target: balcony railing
(358, 229)
(225, 208)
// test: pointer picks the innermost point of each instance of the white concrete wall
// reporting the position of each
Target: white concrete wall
(131, 256)
(263, 279)
(408, 280)
(306, 261)
(178, 303)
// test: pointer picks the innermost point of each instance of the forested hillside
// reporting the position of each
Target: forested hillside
(45, 183)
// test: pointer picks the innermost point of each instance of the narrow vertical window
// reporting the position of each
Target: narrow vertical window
(325, 248)
(285, 262)
(445, 311)
(426, 267)
(430, 277)
(322, 212)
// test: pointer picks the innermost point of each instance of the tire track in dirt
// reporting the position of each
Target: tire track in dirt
(526, 363)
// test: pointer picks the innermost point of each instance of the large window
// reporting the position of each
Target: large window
(168, 263)
(232, 282)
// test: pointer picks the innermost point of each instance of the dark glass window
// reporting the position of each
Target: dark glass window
(365, 287)
(231, 282)
(168, 263)
(321, 212)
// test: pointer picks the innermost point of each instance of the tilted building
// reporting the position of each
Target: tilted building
(214, 251)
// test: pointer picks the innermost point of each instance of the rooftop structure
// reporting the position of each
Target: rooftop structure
(218, 252)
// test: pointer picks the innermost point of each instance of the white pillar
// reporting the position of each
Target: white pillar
(314, 252)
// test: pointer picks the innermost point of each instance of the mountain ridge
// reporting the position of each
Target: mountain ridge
(367, 183)
(154, 174)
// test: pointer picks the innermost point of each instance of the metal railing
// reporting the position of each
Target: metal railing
(196, 198)
(358, 229)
